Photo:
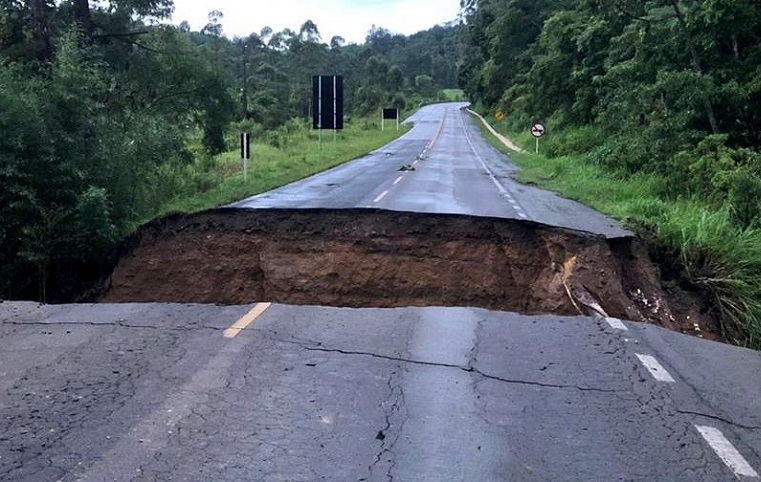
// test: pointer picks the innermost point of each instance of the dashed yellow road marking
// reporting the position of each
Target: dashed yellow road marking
(246, 320)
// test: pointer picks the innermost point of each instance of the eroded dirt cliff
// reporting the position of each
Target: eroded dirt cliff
(362, 258)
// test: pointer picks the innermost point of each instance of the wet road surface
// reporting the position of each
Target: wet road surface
(454, 171)
(171, 392)
(160, 392)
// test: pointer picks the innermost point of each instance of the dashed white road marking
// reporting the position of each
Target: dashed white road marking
(655, 368)
(522, 215)
(727, 452)
(380, 197)
(502, 190)
(616, 324)
(398, 180)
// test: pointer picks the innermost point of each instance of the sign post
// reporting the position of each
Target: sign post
(390, 114)
(537, 130)
(327, 103)
(245, 152)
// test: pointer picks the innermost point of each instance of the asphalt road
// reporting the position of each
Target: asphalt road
(455, 171)
(283, 393)
(159, 393)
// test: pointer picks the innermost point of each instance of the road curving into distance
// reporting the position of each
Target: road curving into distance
(442, 165)
(277, 392)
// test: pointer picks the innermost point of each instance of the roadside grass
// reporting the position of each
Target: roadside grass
(453, 95)
(701, 241)
(720, 257)
(209, 183)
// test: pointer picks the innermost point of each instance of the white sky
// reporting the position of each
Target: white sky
(351, 19)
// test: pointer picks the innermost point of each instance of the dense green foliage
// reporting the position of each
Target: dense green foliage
(107, 116)
(669, 87)
(663, 90)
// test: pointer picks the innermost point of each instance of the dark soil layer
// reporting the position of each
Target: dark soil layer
(365, 258)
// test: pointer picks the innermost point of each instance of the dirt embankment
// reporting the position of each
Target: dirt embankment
(361, 258)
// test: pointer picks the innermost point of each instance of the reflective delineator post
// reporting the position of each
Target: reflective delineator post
(245, 152)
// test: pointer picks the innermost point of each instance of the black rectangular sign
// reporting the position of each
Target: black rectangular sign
(327, 102)
(390, 114)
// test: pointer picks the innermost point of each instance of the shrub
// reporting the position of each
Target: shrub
(723, 259)
(578, 140)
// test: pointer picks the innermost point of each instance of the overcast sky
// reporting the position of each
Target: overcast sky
(351, 19)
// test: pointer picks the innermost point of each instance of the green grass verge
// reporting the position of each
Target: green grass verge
(453, 95)
(699, 240)
(214, 182)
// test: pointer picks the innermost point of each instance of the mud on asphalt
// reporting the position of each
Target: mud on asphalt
(373, 258)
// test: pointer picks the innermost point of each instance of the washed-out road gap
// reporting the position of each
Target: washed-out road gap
(275, 392)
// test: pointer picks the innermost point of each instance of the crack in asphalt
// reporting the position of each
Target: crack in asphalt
(719, 418)
(466, 369)
(119, 324)
(476, 346)
(383, 435)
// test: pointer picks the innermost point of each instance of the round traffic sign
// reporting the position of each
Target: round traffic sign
(538, 130)
(499, 115)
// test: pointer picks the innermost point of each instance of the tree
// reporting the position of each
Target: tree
(394, 79)
(102, 108)
(214, 27)
(424, 85)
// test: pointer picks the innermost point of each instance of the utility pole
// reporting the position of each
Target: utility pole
(244, 89)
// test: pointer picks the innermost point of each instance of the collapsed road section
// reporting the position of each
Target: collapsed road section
(369, 258)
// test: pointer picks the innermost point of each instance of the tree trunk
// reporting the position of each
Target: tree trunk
(42, 29)
(84, 19)
(696, 64)
(43, 281)
(244, 89)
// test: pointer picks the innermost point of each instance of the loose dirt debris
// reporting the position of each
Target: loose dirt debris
(371, 258)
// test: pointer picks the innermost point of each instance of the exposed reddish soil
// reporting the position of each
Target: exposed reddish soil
(361, 258)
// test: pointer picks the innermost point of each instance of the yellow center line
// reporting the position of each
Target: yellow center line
(246, 320)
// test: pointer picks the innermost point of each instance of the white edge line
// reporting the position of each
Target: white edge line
(502, 189)
(616, 324)
(380, 197)
(655, 368)
(727, 452)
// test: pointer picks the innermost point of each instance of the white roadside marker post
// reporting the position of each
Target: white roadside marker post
(245, 152)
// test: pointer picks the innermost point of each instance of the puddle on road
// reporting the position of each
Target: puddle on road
(368, 258)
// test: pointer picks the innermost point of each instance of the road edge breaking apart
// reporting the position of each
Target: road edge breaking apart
(376, 258)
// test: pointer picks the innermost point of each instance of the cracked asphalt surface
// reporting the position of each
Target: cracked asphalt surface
(156, 392)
